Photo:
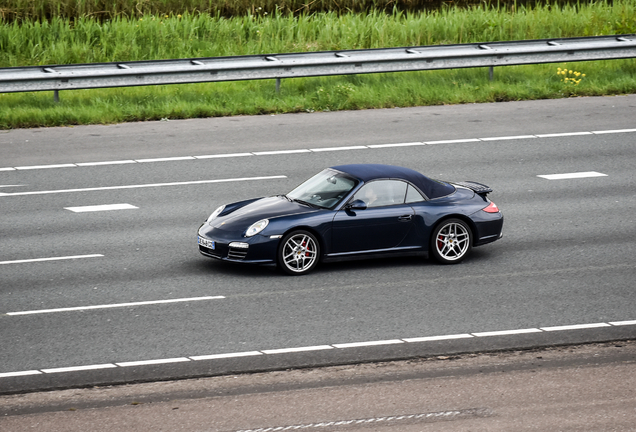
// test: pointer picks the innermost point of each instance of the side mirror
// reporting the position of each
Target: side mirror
(356, 205)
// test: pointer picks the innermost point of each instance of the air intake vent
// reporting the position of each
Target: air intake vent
(237, 254)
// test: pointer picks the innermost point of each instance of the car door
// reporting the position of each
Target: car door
(382, 225)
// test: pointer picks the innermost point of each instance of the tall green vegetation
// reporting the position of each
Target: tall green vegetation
(86, 40)
(109, 9)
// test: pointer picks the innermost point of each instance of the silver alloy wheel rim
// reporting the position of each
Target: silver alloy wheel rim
(299, 253)
(452, 241)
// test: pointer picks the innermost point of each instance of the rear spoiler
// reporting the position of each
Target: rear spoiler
(478, 188)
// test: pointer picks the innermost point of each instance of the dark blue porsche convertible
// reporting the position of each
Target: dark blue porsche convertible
(354, 211)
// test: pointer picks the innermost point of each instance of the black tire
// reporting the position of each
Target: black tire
(298, 253)
(451, 241)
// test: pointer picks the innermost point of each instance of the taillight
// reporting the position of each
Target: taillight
(492, 208)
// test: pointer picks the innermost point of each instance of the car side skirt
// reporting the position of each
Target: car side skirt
(379, 253)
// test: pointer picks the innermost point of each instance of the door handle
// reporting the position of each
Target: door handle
(405, 218)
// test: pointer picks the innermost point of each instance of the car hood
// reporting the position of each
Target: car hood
(264, 208)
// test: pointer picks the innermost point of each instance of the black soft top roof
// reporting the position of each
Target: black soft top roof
(367, 172)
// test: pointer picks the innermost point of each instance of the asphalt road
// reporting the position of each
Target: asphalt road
(566, 259)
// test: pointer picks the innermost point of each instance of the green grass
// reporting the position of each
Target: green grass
(314, 94)
(87, 40)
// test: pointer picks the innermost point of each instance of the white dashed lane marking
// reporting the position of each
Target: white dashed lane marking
(104, 207)
(322, 348)
(576, 175)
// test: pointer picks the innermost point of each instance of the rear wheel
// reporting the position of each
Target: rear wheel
(451, 241)
(298, 253)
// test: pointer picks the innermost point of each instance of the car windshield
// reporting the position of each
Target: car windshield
(326, 189)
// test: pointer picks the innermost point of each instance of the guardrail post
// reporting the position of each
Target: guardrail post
(491, 72)
(56, 96)
(277, 85)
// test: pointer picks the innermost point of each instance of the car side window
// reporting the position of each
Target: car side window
(382, 193)
(413, 195)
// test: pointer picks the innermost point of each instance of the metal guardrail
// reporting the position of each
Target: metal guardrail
(324, 63)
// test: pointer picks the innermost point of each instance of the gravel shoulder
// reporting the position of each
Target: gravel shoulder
(584, 387)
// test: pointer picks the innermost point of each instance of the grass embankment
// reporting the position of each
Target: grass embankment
(86, 40)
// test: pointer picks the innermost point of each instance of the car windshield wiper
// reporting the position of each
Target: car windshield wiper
(308, 204)
(286, 197)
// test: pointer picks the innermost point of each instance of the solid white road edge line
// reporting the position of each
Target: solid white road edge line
(21, 373)
(509, 138)
(79, 368)
(507, 332)
(166, 159)
(118, 305)
(575, 327)
(153, 362)
(34, 167)
(223, 155)
(197, 182)
(51, 259)
(120, 162)
(326, 149)
(318, 348)
(298, 349)
(280, 152)
(410, 144)
(372, 343)
(228, 355)
(621, 323)
(274, 152)
(438, 338)
(613, 131)
(566, 134)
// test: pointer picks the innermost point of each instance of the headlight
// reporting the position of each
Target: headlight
(215, 213)
(256, 227)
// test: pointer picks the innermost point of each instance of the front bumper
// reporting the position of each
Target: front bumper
(258, 249)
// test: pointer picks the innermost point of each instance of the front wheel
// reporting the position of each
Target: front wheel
(298, 253)
(451, 241)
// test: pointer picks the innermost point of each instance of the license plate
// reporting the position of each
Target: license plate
(206, 243)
